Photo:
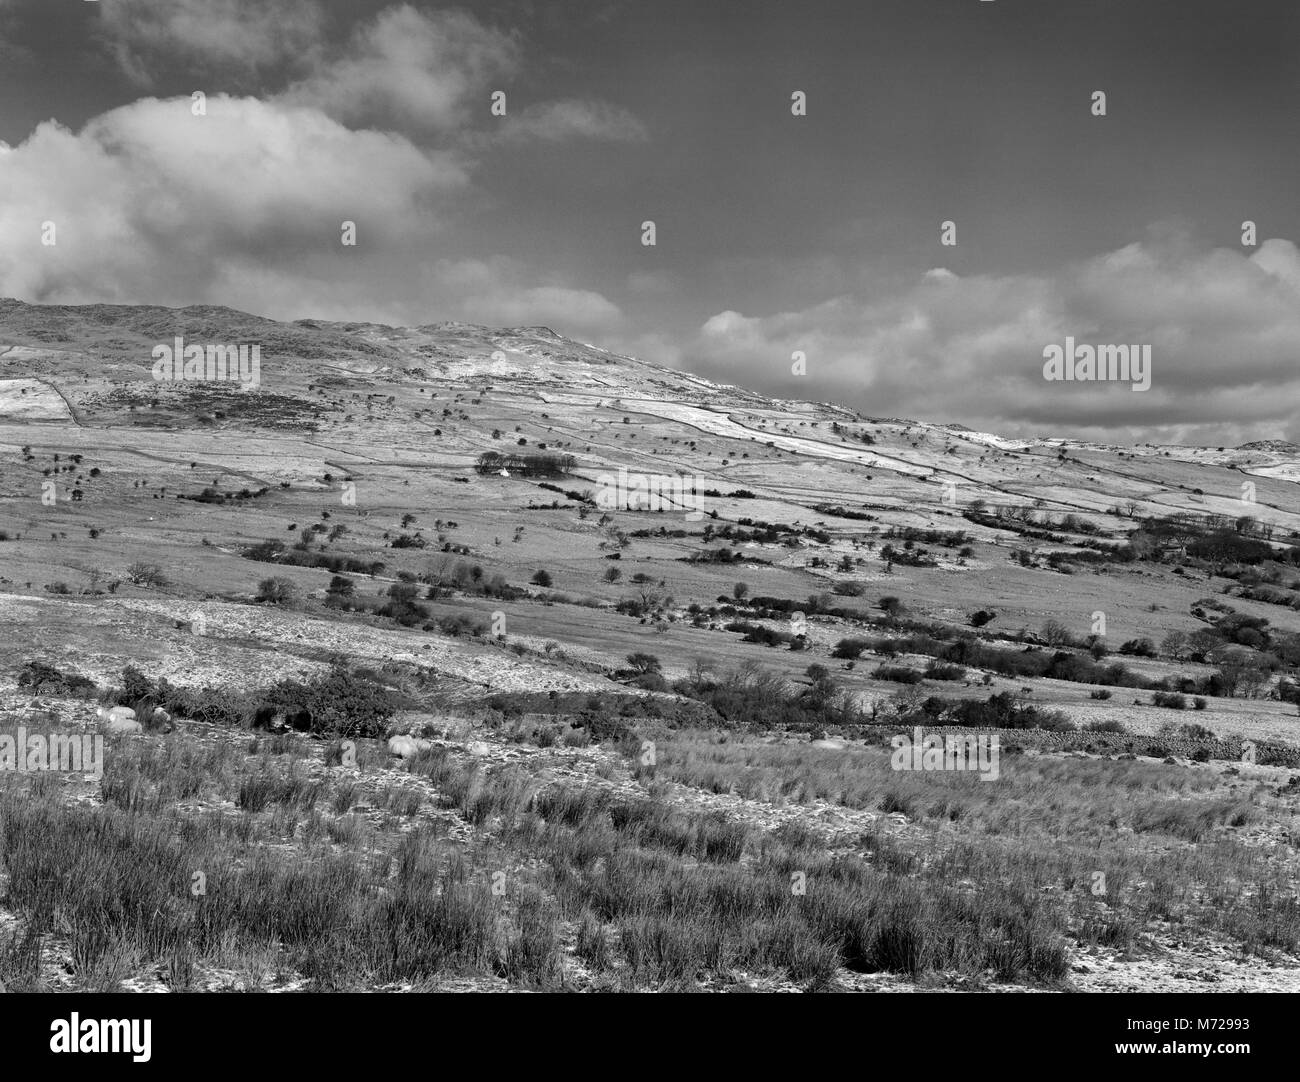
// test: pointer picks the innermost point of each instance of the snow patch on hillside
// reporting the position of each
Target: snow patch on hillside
(31, 400)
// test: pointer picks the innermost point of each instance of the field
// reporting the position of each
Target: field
(653, 745)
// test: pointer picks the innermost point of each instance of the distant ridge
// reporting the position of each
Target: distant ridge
(1281, 447)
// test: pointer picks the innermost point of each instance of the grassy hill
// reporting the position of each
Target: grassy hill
(1030, 584)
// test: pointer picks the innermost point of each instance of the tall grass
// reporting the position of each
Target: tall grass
(255, 861)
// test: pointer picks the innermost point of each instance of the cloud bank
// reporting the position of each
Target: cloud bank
(243, 201)
(1224, 327)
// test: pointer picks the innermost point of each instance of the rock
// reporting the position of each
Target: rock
(404, 747)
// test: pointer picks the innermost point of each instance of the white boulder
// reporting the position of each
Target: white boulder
(404, 747)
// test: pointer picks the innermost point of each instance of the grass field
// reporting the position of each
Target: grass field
(541, 642)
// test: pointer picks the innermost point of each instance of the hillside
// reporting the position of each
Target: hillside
(140, 519)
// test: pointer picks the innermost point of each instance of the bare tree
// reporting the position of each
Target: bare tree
(1055, 633)
(1175, 645)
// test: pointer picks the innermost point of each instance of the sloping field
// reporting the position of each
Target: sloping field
(848, 578)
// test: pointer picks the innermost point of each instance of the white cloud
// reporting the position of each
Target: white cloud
(1224, 327)
(731, 329)
(240, 36)
(503, 292)
(423, 73)
(546, 304)
(153, 204)
(244, 205)
(574, 118)
(1281, 260)
(410, 70)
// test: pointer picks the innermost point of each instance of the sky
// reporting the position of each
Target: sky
(818, 235)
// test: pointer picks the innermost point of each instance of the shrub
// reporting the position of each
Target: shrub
(136, 686)
(1139, 648)
(460, 624)
(341, 703)
(899, 674)
(341, 586)
(1171, 699)
(759, 633)
(1001, 711)
(939, 671)
(403, 592)
(849, 648)
(276, 591)
(146, 574)
(41, 679)
(1099, 693)
(406, 613)
(542, 578)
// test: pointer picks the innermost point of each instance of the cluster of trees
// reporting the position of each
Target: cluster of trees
(547, 464)
(212, 495)
(446, 575)
(1239, 671)
(842, 512)
(340, 702)
(907, 556)
(765, 533)
(767, 636)
(949, 539)
(1002, 710)
(1216, 539)
(722, 556)
(275, 551)
(749, 697)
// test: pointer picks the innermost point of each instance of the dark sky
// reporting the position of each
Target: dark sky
(775, 233)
